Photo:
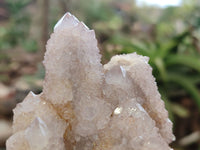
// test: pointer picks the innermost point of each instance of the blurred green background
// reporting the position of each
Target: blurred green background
(169, 35)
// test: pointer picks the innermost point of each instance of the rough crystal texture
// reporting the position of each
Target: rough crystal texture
(87, 106)
(131, 76)
(36, 125)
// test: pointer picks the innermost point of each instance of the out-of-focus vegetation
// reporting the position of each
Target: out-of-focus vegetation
(169, 36)
(16, 31)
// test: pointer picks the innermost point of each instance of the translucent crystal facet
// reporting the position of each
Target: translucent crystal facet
(87, 106)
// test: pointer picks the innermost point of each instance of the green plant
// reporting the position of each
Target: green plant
(17, 29)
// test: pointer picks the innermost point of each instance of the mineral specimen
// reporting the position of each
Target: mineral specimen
(87, 106)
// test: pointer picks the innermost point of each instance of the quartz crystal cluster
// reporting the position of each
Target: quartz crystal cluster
(87, 106)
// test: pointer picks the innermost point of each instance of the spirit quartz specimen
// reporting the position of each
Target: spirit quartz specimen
(87, 106)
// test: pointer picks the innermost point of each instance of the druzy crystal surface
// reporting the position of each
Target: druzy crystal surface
(87, 106)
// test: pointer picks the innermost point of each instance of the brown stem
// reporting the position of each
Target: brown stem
(45, 24)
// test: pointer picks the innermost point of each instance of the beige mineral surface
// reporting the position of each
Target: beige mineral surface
(87, 106)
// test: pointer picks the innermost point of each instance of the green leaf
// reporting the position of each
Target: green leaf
(179, 110)
(185, 83)
(189, 61)
(161, 68)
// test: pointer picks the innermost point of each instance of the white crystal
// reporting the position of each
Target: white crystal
(87, 106)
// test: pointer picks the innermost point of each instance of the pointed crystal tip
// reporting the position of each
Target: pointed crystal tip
(68, 19)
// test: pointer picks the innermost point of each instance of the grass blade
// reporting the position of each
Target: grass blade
(189, 61)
